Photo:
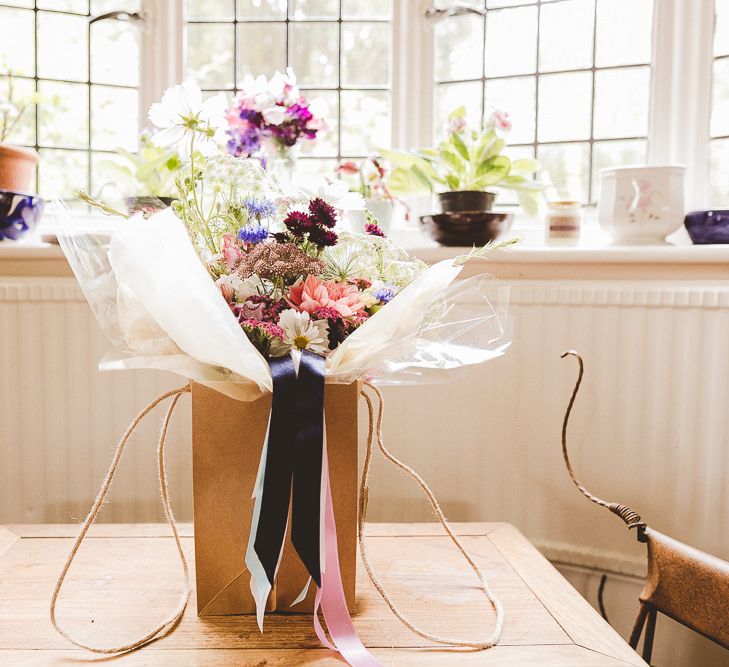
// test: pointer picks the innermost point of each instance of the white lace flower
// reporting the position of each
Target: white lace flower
(302, 333)
(183, 117)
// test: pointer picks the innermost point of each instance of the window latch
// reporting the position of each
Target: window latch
(436, 14)
(119, 15)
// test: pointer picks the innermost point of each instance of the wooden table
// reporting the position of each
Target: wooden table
(127, 577)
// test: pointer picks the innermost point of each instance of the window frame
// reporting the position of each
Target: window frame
(681, 63)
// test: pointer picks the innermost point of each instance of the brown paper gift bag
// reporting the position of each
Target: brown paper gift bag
(227, 440)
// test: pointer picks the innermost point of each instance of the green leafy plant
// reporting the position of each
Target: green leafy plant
(13, 108)
(152, 169)
(466, 159)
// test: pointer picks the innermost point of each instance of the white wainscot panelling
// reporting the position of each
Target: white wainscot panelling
(649, 428)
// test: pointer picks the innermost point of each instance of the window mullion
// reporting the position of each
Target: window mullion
(681, 91)
(161, 51)
(412, 75)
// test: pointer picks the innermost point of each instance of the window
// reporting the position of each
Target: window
(88, 93)
(574, 76)
(719, 128)
(340, 50)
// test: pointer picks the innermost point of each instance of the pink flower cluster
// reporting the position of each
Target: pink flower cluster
(314, 294)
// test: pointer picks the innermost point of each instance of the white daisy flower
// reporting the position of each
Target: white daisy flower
(302, 333)
(182, 116)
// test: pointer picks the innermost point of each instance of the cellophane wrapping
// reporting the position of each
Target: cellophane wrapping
(159, 308)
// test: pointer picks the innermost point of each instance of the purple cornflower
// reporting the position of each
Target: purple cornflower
(260, 209)
(374, 230)
(383, 294)
(253, 234)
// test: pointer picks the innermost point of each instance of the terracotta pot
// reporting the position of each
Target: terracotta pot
(17, 167)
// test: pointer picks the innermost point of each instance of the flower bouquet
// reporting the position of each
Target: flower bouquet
(277, 317)
(269, 117)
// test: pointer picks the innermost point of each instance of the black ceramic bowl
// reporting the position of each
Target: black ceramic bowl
(707, 226)
(467, 228)
(19, 214)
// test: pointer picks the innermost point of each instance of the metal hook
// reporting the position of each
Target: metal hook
(435, 14)
(119, 15)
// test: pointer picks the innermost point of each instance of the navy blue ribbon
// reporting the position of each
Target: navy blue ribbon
(294, 458)
(279, 467)
(306, 505)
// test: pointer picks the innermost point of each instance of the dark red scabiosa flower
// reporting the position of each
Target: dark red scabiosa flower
(322, 213)
(374, 230)
(298, 223)
(323, 237)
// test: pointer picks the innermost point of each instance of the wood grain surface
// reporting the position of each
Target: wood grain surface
(126, 577)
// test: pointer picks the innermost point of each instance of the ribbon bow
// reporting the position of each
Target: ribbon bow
(293, 470)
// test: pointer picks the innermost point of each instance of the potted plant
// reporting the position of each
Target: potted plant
(466, 168)
(152, 170)
(17, 164)
(371, 182)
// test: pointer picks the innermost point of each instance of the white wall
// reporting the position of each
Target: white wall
(649, 430)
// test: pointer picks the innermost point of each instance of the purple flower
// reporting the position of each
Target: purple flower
(260, 209)
(374, 230)
(253, 234)
(383, 294)
(244, 143)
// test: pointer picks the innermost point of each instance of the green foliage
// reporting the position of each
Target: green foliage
(14, 107)
(153, 169)
(467, 159)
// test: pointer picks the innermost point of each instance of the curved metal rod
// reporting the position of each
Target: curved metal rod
(436, 14)
(631, 518)
(118, 15)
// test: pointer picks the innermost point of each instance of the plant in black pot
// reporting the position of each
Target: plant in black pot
(466, 168)
(151, 173)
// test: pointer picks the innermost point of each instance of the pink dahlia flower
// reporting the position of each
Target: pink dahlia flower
(314, 293)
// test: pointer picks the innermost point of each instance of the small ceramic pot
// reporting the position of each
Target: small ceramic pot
(19, 214)
(707, 226)
(641, 205)
(17, 168)
(383, 211)
(459, 201)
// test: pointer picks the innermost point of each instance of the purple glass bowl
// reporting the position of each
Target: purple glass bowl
(19, 214)
(708, 226)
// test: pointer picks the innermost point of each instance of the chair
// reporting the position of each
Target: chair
(685, 584)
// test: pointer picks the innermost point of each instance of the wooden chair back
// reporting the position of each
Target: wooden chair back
(683, 583)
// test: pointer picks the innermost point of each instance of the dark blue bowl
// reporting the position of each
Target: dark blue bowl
(708, 226)
(19, 214)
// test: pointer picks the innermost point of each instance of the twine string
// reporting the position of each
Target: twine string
(171, 621)
(375, 431)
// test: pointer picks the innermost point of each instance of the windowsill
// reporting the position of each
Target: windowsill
(593, 258)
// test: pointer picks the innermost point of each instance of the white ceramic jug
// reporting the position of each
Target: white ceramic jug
(641, 205)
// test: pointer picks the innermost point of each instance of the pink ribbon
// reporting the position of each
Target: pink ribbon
(331, 594)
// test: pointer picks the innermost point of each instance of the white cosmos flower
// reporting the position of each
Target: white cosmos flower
(334, 192)
(302, 333)
(182, 116)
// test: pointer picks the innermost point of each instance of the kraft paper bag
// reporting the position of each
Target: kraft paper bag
(227, 440)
